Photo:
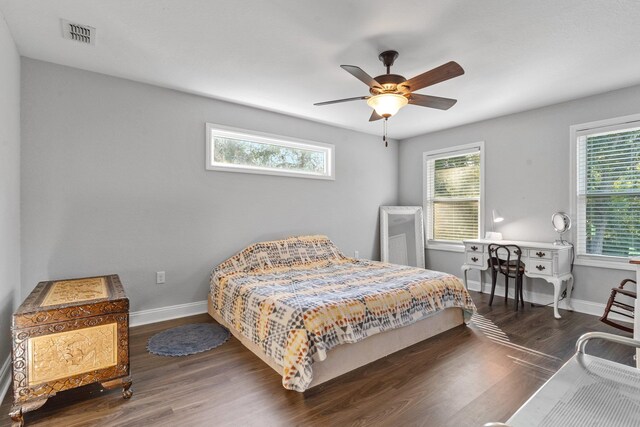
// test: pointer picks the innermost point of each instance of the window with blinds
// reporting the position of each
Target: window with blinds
(608, 193)
(453, 194)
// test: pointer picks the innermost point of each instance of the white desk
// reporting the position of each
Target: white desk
(542, 261)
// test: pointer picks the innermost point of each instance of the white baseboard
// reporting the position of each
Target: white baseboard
(5, 377)
(154, 315)
(581, 306)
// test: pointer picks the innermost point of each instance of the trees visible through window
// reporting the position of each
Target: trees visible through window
(252, 152)
(270, 156)
(608, 193)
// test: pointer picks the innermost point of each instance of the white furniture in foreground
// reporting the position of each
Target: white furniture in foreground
(546, 261)
(587, 390)
(636, 315)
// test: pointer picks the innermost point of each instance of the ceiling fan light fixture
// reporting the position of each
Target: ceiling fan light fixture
(387, 104)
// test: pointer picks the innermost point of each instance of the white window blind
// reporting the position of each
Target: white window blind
(453, 194)
(608, 193)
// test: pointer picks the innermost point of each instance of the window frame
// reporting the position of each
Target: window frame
(458, 150)
(215, 130)
(575, 131)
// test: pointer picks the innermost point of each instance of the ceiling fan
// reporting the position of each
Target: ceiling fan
(391, 92)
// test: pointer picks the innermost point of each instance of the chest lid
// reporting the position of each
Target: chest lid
(61, 300)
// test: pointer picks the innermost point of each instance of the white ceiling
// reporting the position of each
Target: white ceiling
(284, 55)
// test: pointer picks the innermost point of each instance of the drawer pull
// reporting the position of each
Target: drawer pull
(517, 252)
(540, 254)
(474, 248)
(474, 259)
(540, 267)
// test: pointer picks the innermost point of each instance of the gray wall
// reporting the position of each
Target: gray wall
(526, 176)
(114, 181)
(9, 184)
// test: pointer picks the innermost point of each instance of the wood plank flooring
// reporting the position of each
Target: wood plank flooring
(464, 377)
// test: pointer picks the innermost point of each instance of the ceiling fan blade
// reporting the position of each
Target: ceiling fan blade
(375, 116)
(439, 74)
(361, 75)
(336, 101)
(432, 101)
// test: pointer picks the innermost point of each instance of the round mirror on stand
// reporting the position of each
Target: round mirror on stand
(561, 223)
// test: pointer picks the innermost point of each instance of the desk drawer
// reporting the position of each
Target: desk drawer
(473, 248)
(475, 259)
(539, 254)
(543, 268)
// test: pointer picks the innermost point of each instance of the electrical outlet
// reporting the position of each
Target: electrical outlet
(160, 277)
(356, 254)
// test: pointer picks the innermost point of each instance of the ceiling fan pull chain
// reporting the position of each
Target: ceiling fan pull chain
(384, 135)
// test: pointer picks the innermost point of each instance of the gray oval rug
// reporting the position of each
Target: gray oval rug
(187, 339)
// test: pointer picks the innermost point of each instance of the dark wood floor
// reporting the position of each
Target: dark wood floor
(464, 377)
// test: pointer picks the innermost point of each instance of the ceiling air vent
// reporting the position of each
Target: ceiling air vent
(78, 32)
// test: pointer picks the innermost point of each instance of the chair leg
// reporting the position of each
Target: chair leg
(519, 296)
(506, 288)
(494, 278)
(521, 291)
(516, 291)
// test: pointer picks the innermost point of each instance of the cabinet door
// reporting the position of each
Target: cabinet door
(541, 254)
(543, 268)
(473, 247)
(475, 258)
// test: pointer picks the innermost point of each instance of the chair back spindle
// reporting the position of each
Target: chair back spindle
(621, 307)
(507, 260)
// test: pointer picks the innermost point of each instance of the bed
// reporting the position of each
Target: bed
(313, 314)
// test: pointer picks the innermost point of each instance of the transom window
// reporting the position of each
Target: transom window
(453, 194)
(238, 150)
(608, 188)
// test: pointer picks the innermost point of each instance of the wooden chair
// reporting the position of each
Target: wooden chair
(613, 303)
(506, 260)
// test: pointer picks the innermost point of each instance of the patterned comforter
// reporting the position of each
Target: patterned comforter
(297, 298)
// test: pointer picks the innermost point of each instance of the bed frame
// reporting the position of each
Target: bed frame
(347, 357)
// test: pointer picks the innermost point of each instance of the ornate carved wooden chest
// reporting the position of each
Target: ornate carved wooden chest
(66, 334)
